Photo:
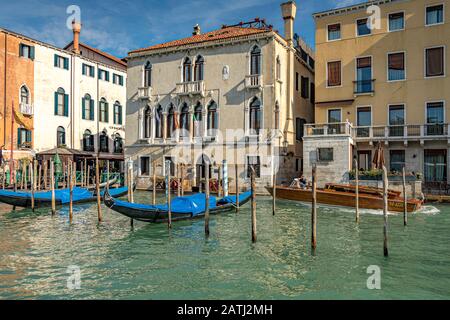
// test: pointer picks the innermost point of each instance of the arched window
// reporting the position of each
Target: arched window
(147, 123)
(255, 61)
(277, 116)
(88, 141)
(159, 122)
(24, 95)
(103, 110)
(212, 119)
(88, 107)
(61, 103)
(148, 74)
(184, 121)
(199, 68)
(187, 68)
(117, 113)
(61, 137)
(104, 142)
(118, 144)
(170, 121)
(255, 116)
(198, 120)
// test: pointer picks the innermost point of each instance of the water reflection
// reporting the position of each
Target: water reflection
(150, 262)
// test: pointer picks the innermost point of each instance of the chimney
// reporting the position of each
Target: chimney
(197, 30)
(76, 27)
(289, 10)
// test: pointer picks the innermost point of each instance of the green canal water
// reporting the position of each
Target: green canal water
(151, 263)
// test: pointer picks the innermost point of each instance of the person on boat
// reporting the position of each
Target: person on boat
(301, 183)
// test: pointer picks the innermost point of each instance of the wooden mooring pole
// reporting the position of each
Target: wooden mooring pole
(274, 191)
(3, 177)
(207, 199)
(236, 170)
(39, 177)
(405, 200)
(168, 198)
(97, 187)
(154, 183)
(356, 190)
(314, 209)
(182, 180)
(52, 186)
(385, 211)
(32, 185)
(130, 187)
(45, 175)
(253, 189)
(70, 177)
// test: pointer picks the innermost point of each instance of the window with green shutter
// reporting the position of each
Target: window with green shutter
(61, 62)
(61, 103)
(26, 51)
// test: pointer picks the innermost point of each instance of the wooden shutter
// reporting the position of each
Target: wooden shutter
(83, 108)
(66, 63)
(92, 71)
(31, 52)
(120, 114)
(55, 60)
(56, 103)
(106, 112)
(19, 137)
(91, 110)
(334, 73)
(435, 62)
(28, 136)
(21, 50)
(397, 61)
(66, 105)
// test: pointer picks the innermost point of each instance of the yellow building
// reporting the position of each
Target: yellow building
(381, 76)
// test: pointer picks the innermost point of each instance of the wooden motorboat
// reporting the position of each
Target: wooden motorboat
(345, 196)
(182, 208)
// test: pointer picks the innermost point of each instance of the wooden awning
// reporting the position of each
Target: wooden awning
(336, 103)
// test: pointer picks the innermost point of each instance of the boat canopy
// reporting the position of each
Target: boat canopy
(194, 204)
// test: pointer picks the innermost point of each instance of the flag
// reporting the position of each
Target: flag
(25, 122)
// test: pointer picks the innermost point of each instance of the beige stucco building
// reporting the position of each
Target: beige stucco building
(381, 76)
(232, 94)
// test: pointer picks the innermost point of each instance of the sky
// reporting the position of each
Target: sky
(119, 26)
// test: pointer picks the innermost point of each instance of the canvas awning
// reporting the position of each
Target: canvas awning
(335, 103)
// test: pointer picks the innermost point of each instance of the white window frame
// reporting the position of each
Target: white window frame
(387, 66)
(326, 74)
(360, 107)
(435, 101)
(149, 166)
(356, 28)
(443, 14)
(425, 62)
(404, 21)
(340, 31)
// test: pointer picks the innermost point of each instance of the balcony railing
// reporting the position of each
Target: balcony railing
(191, 88)
(254, 82)
(144, 92)
(364, 86)
(376, 133)
(26, 109)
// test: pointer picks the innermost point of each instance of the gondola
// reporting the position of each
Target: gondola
(182, 208)
(62, 197)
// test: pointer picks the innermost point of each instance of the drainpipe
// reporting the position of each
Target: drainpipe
(4, 97)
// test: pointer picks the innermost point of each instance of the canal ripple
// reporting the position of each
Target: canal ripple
(150, 262)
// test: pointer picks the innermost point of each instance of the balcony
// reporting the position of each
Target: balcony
(144, 93)
(254, 82)
(364, 87)
(191, 88)
(405, 133)
(26, 109)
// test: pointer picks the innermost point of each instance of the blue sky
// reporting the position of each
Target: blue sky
(118, 26)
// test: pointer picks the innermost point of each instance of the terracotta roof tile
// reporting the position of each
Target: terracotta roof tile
(102, 53)
(221, 34)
